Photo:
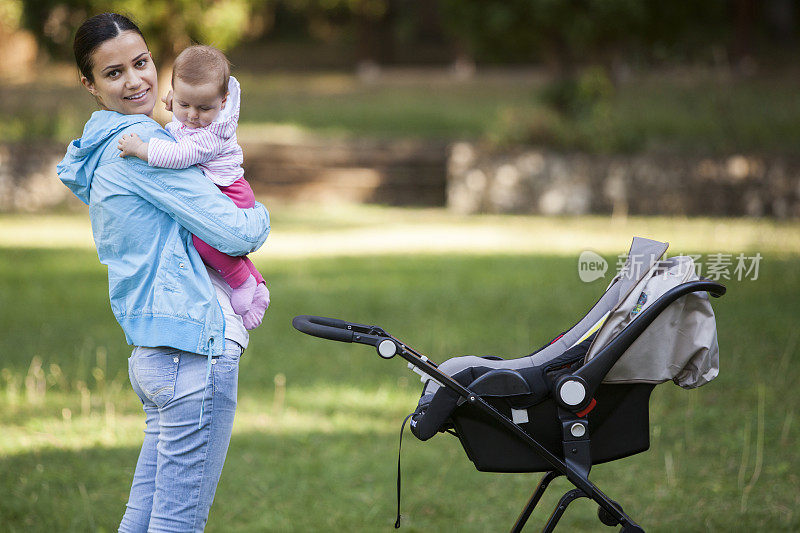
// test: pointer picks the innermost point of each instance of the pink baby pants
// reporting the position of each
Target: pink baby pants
(234, 270)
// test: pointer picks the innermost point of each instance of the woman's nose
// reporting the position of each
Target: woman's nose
(132, 81)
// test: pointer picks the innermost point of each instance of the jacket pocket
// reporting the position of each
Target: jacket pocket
(156, 370)
(173, 261)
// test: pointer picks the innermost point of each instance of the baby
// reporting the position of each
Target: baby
(205, 102)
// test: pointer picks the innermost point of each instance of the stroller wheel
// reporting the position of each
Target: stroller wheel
(605, 517)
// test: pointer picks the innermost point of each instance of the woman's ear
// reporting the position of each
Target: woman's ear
(89, 85)
(91, 88)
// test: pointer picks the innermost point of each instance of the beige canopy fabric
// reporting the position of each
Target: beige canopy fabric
(681, 344)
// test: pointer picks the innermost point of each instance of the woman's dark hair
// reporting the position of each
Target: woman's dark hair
(95, 31)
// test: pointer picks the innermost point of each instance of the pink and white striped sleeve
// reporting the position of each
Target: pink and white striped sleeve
(190, 150)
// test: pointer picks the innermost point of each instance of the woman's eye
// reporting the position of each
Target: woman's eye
(141, 63)
(112, 73)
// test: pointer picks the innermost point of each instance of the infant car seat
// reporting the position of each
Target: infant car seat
(580, 400)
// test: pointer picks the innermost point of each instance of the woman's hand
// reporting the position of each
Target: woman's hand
(131, 144)
(167, 99)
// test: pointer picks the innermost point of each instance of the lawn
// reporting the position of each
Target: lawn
(315, 439)
(703, 112)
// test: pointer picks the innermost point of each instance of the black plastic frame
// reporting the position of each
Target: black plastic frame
(575, 471)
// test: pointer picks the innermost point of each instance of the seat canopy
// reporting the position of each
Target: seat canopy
(680, 344)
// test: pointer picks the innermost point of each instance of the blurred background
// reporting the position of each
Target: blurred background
(435, 168)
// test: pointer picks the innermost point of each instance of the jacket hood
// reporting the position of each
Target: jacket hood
(83, 155)
(226, 123)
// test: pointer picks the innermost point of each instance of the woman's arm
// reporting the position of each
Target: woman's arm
(198, 205)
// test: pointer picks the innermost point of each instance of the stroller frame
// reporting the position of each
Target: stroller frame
(573, 393)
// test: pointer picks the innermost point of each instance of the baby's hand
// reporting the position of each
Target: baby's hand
(131, 144)
(167, 99)
(253, 317)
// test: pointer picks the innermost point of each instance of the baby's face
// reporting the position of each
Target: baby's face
(196, 106)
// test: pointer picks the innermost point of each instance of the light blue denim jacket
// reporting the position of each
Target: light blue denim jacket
(143, 219)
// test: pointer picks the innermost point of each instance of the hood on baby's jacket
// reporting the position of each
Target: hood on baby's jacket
(228, 120)
(83, 155)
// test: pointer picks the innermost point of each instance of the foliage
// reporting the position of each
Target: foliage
(695, 114)
(366, 8)
(577, 113)
(10, 14)
(529, 29)
(168, 25)
(565, 31)
(580, 95)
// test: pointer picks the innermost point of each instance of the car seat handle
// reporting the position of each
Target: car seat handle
(575, 391)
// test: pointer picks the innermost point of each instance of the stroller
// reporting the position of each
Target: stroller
(578, 401)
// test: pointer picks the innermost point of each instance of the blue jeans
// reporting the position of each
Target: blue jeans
(182, 456)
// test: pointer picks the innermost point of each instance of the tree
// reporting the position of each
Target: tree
(17, 48)
(566, 32)
(369, 22)
(557, 31)
(168, 25)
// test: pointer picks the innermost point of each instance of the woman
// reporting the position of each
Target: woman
(176, 313)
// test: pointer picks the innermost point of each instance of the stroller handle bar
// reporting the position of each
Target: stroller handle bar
(325, 328)
(339, 330)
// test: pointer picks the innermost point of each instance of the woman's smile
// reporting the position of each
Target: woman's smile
(138, 97)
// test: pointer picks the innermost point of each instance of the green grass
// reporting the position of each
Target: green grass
(718, 115)
(418, 107)
(318, 452)
(697, 112)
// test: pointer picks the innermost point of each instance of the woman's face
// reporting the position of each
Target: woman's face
(125, 78)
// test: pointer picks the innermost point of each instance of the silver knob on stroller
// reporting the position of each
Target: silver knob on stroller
(571, 392)
(387, 349)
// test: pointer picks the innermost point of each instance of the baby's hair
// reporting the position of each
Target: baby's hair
(201, 64)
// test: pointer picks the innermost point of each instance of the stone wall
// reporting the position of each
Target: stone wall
(468, 179)
(385, 172)
(28, 180)
(539, 181)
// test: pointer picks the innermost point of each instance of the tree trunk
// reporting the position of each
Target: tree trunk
(745, 18)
